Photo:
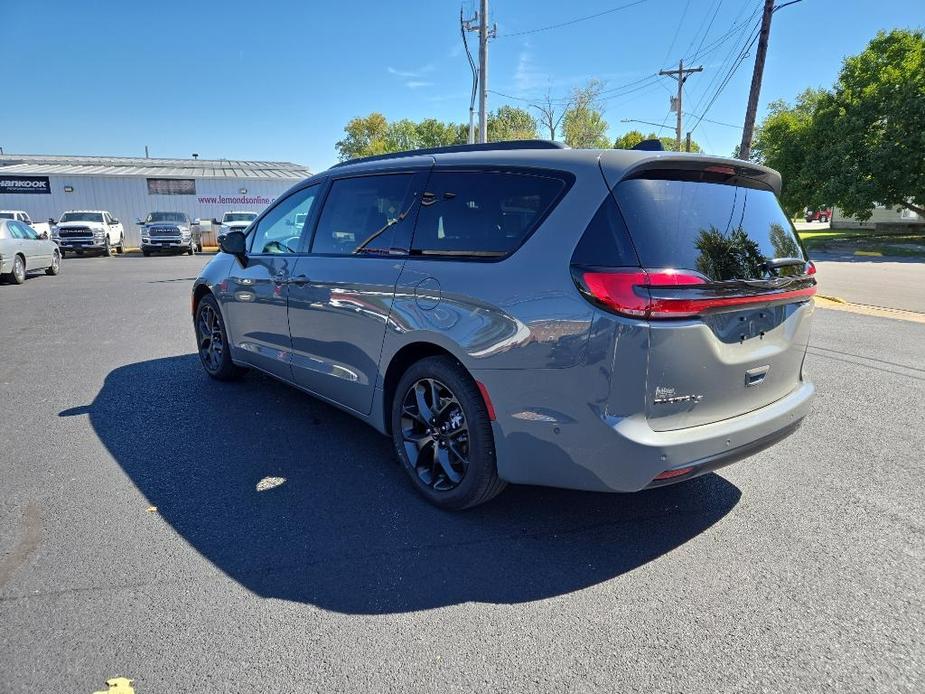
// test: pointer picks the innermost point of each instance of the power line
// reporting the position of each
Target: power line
(677, 31)
(573, 21)
(706, 33)
(736, 64)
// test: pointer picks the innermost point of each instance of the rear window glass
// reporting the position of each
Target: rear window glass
(480, 213)
(722, 231)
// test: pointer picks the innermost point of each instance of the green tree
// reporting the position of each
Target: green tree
(629, 140)
(877, 110)
(634, 137)
(786, 141)
(365, 136)
(511, 123)
(863, 142)
(435, 133)
(583, 124)
(402, 135)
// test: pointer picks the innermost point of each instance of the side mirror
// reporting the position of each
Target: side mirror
(115, 221)
(233, 243)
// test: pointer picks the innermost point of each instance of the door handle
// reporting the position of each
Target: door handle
(299, 280)
(280, 278)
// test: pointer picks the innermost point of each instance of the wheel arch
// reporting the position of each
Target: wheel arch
(199, 292)
(399, 363)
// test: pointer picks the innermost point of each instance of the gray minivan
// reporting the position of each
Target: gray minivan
(607, 320)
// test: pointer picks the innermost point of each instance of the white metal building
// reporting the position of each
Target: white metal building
(45, 186)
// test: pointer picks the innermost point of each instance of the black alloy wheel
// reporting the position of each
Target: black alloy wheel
(435, 434)
(442, 434)
(212, 342)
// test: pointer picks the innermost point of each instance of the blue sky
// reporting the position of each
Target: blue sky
(278, 80)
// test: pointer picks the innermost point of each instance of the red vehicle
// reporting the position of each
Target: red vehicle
(819, 215)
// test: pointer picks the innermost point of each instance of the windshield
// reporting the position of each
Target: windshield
(724, 232)
(81, 217)
(178, 217)
(6, 215)
(239, 217)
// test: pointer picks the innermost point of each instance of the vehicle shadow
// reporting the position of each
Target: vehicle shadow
(345, 531)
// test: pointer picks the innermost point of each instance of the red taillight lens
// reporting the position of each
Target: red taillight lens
(810, 267)
(630, 292)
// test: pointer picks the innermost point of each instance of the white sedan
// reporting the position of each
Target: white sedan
(21, 251)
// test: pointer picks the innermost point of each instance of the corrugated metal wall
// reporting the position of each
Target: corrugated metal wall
(127, 199)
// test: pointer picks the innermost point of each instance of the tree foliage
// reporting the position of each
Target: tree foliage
(861, 143)
(634, 137)
(583, 124)
(511, 123)
(373, 134)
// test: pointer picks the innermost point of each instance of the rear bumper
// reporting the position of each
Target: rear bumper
(601, 453)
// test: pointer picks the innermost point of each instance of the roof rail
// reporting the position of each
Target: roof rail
(452, 149)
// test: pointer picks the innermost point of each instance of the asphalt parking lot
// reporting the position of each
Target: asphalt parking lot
(137, 540)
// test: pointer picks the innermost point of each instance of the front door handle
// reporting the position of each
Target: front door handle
(280, 278)
(299, 280)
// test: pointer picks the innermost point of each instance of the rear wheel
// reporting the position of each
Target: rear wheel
(55, 266)
(18, 275)
(442, 435)
(212, 342)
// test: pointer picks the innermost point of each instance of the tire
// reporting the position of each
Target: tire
(212, 342)
(189, 251)
(454, 464)
(55, 266)
(120, 249)
(18, 274)
(146, 253)
(107, 249)
(63, 254)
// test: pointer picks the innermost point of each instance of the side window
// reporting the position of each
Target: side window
(106, 218)
(13, 228)
(280, 230)
(481, 213)
(21, 231)
(26, 219)
(362, 213)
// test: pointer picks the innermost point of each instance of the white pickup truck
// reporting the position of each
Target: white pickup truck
(89, 231)
(42, 229)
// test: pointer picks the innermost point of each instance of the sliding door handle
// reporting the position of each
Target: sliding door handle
(299, 280)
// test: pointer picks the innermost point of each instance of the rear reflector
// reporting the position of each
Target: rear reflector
(670, 474)
(629, 292)
(488, 406)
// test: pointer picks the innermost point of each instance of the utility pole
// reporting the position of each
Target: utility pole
(745, 149)
(466, 25)
(681, 75)
(483, 71)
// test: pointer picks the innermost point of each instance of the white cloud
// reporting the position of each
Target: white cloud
(413, 74)
(417, 84)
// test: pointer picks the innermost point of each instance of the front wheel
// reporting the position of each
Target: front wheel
(442, 435)
(107, 249)
(212, 342)
(120, 249)
(55, 266)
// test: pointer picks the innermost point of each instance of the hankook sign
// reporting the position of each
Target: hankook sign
(30, 185)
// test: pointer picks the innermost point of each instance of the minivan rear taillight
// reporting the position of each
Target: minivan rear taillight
(662, 294)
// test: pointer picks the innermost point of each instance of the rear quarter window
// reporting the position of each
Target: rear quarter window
(483, 214)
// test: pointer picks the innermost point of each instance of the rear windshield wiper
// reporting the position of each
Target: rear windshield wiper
(774, 263)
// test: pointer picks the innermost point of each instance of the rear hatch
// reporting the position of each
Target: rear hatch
(722, 280)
